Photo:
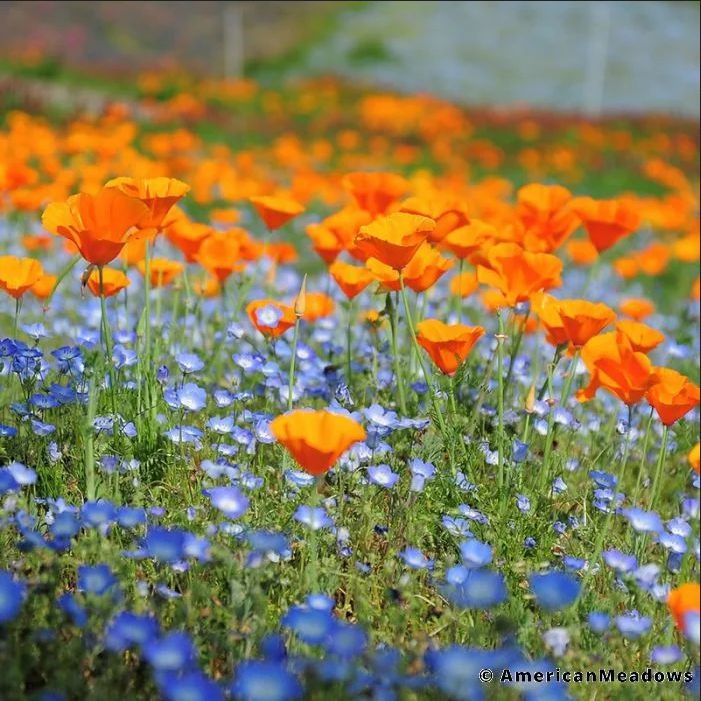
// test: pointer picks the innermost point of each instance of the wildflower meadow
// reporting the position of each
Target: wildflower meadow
(327, 392)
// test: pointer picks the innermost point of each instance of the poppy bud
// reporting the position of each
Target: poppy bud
(301, 301)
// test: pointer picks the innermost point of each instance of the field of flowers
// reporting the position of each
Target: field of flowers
(331, 393)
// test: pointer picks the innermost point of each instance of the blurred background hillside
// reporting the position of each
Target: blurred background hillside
(587, 57)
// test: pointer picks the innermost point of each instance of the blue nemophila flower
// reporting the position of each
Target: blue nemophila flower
(643, 521)
(421, 472)
(523, 503)
(574, 564)
(22, 474)
(43, 402)
(529, 542)
(382, 476)
(174, 652)
(191, 686)
(519, 451)
(415, 559)
(73, 609)
(315, 517)
(455, 671)
(632, 625)
(311, 625)
(646, 576)
(65, 525)
(264, 680)
(97, 579)
(554, 590)
(190, 397)
(479, 589)
(603, 479)
(457, 527)
(556, 640)
(39, 428)
(666, 654)
(97, 514)
(475, 554)
(7, 482)
(11, 597)
(599, 621)
(130, 517)
(164, 545)
(189, 363)
(185, 434)
(269, 315)
(229, 500)
(673, 543)
(472, 514)
(272, 647)
(619, 561)
(346, 640)
(7, 431)
(680, 527)
(129, 629)
(249, 362)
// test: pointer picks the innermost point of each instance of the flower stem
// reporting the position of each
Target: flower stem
(417, 350)
(349, 335)
(643, 458)
(658, 468)
(500, 399)
(107, 340)
(293, 359)
(393, 323)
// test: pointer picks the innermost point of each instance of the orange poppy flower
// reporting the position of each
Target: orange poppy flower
(642, 337)
(352, 279)
(696, 289)
(113, 281)
(219, 255)
(387, 276)
(582, 252)
(207, 287)
(637, 309)
(44, 286)
(375, 192)
(187, 236)
(464, 284)
(282, 318)
(134, 250)
(425, 268)
(281, 252)
(99, 225)
(683, 600)
(37, 242)
(615, 366)
(518, 274)
(626, 267)
(276, 211)
(672, 395)
(345, 224)
(547, 309)
(582, 319)
(162, 271)
(493, 300)
(447, 214)
(605, 221)
(394, 239)
(324, 242)
(547, 220)
(447, 344)
(695, 458)
(467, 240)
(316, 439)
(158, 194)
(17, 275)
(317, 305)
(654, 259)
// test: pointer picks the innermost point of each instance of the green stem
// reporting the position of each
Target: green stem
(500, 401)
(417, 350)
(643, 458)
(293, 360)
(107, 339)
(393, 323)
(603, 532)
(515, 346)
(349, 334)
(658, 468)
